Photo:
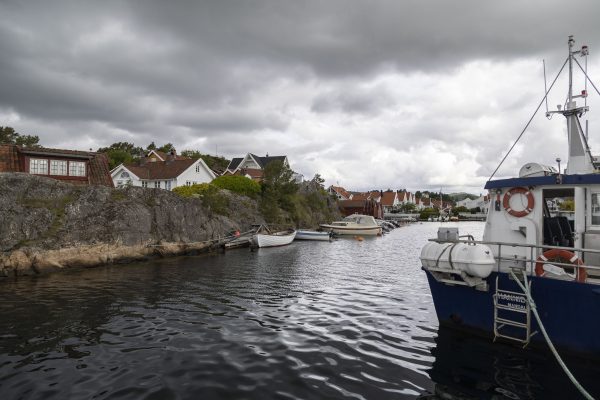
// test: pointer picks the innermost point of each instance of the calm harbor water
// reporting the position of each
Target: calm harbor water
(345, 319)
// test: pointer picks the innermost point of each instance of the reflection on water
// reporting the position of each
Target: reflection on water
(346, 319)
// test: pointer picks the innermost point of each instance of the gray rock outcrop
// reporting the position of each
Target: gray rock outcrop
(42, 218)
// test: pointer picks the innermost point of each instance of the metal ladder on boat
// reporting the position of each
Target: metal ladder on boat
(512, 313)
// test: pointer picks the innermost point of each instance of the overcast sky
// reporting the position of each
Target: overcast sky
(370, 94)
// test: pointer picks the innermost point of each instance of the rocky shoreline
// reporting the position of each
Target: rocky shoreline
(48, 225)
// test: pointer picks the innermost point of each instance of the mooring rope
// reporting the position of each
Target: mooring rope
(527, 292)
(530, 119)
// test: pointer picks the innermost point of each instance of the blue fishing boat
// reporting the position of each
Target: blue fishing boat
(534, 278)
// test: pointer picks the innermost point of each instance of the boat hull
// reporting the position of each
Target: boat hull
(262, 240)
(341, 230)
(312, 235)
(568, 310)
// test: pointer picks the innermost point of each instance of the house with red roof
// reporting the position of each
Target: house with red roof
(162, 171)
(339, 192)
(389, 200)
(74, 166)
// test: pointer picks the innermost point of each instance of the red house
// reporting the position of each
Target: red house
(78, 167)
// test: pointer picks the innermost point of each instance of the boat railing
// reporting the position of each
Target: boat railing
(534, 251)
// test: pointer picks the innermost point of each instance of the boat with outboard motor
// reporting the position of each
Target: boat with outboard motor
(355, 224)
(529, 261)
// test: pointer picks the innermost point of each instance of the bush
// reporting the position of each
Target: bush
(209, 194)
(238, 184)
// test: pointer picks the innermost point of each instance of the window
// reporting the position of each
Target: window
(58, 167)
(144, 184)
(38, 166)
(76, 168)
(157, 184)
(595, 208)
(168, 185)
(124, 175)
(198, 168)
(188, 183)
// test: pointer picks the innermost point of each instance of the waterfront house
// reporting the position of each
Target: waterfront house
(362, 206)
(389, 201)
(339, 192)
(162, 171)
(74, 166)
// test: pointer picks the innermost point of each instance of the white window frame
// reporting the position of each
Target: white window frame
(144, 184)
(168, 185)
(589, 201)
(77, 168)
(59, 167)
(156, 184)
(38, 166)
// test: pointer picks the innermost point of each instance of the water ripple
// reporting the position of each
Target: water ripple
(347, 319)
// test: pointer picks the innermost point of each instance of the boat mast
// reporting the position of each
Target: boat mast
(580, 159)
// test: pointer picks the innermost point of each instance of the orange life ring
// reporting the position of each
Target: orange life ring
(530, 202)
(564, 256)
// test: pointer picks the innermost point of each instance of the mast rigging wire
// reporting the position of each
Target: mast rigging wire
(587, 78)
(531, 119)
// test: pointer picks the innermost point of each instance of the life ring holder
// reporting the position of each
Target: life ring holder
(563, 255)
(517, 190)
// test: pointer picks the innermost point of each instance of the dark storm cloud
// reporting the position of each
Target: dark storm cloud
(203, 72)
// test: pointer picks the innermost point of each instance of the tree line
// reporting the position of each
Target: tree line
(126, 152)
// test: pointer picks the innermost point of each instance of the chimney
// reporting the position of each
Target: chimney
(143, 158)
(171, 156)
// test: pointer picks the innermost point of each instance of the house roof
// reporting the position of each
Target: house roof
(263, 161)
(163, 156)
(341, 191)
(388, 198)
(253, 173)
(401, 196)
(360, 196)
(160, 169)
(233, 164)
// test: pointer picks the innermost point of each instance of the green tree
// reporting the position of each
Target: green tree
(238, 184)
(151, 146)
(165, 148)
(121, 152)
(408, 207)
(278, 190)
(214, 162)
(319, 181)
(10, 136)
(459, 209)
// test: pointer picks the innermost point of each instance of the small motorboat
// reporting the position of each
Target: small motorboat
(312, 235)
(267, 239)
(356, 224)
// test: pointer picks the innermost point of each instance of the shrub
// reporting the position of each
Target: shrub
(209, 194)
(238, 184)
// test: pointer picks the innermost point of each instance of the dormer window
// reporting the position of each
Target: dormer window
(76, 168)
(38, 166)
(58, 167)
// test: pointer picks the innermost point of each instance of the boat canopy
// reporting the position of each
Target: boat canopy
(586, 179)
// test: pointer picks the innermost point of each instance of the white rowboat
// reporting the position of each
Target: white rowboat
(274, 239)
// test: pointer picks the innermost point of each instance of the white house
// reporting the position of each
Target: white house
(483, 202)
(251, 166)
(154, 171)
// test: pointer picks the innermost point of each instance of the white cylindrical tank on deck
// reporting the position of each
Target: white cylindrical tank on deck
(474, 259)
